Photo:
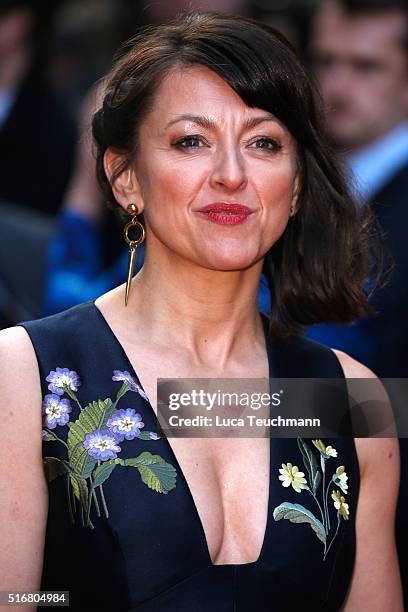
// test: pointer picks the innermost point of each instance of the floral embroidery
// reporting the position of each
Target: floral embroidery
(340, 505)
(55, 410)
(296, 513)
(326, 451)
(290, 475)
(92, 443)
(63, 379)
(101, 445)
(125, 424)
(130, 381)
(340, 478)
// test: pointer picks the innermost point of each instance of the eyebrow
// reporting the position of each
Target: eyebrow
(207, 123)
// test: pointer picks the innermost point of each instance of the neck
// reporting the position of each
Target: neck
(207, 312)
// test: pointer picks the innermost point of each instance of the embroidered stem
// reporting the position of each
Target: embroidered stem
(105, 507)
(71, 514)
(88, 520)
(92, 496)
(327, 506)
(82, 514)
(96, 503)
(55, 437)
(338, 525)
(72, 396)
(80, 407)
(326, 520)
(317, 501)
(88, 510)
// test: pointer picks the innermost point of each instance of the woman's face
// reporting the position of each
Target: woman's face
(216, 177)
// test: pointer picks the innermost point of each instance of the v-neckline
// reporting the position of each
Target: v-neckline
(131, 369)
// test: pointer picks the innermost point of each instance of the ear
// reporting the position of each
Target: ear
(295, 196)
(124, 184)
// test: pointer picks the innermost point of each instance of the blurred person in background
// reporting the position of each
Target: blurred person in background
(50, 53)
(37, 137)
(360, 54)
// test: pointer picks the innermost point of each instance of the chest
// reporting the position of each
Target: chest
(227, 478)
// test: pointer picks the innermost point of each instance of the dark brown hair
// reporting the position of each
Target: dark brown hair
(317, 268)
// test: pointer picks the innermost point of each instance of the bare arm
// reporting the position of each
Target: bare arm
(23, 489)
(375, 583)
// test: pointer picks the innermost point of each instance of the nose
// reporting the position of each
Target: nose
(229, 170)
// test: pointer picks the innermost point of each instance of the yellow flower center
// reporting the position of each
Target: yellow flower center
(54, 410)
(64, 380)
(126, 423)
(102, 444)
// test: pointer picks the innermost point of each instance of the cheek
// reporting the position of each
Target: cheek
(380, 93)
(275, 188)
(169, 185)
(275, 193)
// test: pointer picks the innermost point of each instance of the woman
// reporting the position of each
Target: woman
(209, 127)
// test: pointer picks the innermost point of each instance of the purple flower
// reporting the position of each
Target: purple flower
(63, 377)
(125, 423)
(127, 378)
(101, 445)
(45, 435)
(154, 436)
(55, 411)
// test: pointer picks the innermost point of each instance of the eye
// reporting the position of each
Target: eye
(267, 144)
(189, 142)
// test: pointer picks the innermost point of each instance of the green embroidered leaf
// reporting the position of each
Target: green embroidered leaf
(295, 513)
(311, 465)
(103, 472)
(54, 467)
(94, 416)
(123, 389)
(155, 472)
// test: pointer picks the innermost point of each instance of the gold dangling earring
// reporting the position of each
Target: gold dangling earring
(133, 244)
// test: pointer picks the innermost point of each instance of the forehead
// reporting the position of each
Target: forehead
(197, 90)
(368, 34)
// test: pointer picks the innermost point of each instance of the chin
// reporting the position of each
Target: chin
(230, 263)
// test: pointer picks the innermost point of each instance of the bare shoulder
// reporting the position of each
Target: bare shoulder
(351, 367)
(373, 453)
(20, 411)
(20, 388)
(15, 344)
(18, 365)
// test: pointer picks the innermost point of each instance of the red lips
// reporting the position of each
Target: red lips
(228, 207)
(225, 213)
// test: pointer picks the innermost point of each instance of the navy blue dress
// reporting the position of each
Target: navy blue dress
(146, 550)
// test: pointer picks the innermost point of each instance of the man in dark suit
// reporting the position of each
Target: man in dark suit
(360, 53)
(37, 137)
